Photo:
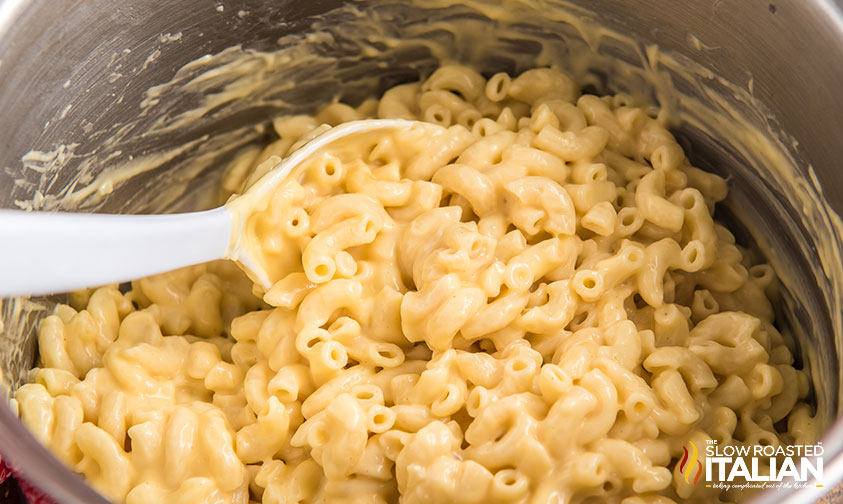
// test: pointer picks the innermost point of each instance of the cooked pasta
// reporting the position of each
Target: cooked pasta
(524, 299)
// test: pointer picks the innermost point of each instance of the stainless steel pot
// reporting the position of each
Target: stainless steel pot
(75, 75)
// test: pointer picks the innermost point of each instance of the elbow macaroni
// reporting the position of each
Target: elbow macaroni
(525, 301)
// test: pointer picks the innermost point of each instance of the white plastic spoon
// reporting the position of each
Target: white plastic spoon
(43, 253)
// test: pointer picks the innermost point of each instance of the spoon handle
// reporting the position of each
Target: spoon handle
(42, 253)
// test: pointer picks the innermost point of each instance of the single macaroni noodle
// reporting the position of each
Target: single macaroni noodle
(524, 298)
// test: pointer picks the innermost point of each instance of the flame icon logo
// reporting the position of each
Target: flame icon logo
(686, 467)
